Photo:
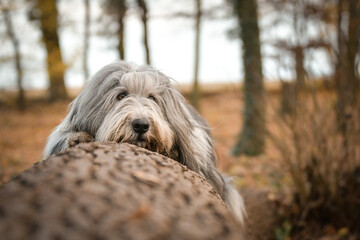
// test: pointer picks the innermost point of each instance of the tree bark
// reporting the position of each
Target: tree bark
(252, 138)
(16, 46)
(144, 19)
(55, 64)
(112, 191)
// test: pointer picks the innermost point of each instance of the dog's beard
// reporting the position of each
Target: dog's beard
(156, 139)
(146, 141)
(117, 127)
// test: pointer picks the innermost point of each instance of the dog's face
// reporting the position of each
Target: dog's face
(137, 105)
(137, 113)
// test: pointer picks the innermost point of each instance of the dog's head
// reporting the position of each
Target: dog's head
(133, 104)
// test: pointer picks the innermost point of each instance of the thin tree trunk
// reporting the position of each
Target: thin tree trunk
(195, 94)
(112, 191)
(86, 39)
(353, 49)
(298, 50)
(144, 18)
(339, 76)
(122, 8)
(299, 67)
(15, 43)
(55, 64)
(347, 82)
(289, 95)
(252, 138)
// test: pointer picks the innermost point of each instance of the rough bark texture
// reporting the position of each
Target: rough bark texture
(55, 64)
(252, 138)
(112, 191)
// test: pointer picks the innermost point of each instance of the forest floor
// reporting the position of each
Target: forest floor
(261, 179)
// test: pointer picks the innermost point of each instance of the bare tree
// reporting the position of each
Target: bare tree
(144, 19)
(48, 16)
(16, 45)
(303, 15)
(117, 10)
(195, 94)
(298, 48)
(87, 25)
(346, 79)
(251, 141)
(353, 47)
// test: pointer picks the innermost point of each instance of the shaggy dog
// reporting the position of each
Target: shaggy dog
(138, 105)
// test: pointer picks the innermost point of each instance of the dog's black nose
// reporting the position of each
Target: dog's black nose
(140, 125)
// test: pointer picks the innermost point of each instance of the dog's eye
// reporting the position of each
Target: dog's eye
(152, 98)
(121, 96)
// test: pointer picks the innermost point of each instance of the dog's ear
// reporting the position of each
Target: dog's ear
(73, 110)
(88, 109)
(177, 114)
(182, 123)
(193, 143)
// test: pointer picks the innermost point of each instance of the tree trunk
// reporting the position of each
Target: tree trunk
(112, 191)
(121, 8)
(340, 69)
(144, 18)
(15, 43)
(195, 94)
(353, 49)
(86, 39)
(289, 98)
(252, 138)
(298, 49)
(55, 64)
(299, 67)
(347, 82)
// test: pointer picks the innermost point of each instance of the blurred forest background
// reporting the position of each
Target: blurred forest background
(288, 129)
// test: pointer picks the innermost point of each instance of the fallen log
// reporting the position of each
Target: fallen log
(112, 191)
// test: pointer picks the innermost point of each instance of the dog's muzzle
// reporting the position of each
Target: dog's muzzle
(140, 125)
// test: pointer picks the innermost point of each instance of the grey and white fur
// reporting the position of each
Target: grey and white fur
(123, 102)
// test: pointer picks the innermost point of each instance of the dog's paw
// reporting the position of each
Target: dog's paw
(79, 137)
